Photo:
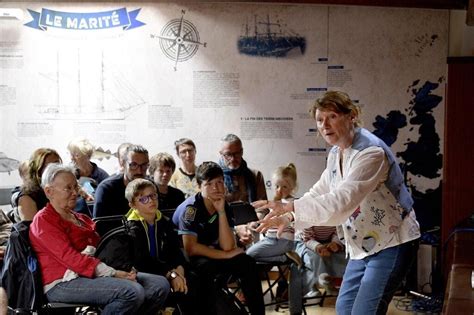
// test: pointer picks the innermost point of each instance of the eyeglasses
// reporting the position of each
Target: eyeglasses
(69, 190)
(146, 199)
(134, 166)
(230, 155)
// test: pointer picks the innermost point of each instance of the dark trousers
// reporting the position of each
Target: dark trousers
(242, 267)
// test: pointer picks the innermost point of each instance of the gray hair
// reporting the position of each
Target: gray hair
(231, 138)
(52, 170)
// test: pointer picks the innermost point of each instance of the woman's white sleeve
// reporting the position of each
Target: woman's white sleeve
(369, 169)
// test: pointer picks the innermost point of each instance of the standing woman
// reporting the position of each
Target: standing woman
(361, 191)
(31, 197)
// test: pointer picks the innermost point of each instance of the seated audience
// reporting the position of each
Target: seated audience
(88, 173)
(5, 230)
(64, 241)
(184, 177)
(81, 151)
(241, 183)
(110, 194)
(31, 197)
(205, 223)
(272, 248)
(23, 172)
(322, 253)
(155, 243)
(121, 156)
(161, 168)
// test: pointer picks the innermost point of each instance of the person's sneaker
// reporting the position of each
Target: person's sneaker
(294, 257)
(313, 293)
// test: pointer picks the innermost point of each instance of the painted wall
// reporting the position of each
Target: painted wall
(153, 73)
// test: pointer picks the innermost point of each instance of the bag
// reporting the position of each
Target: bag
(115, 249)
(21, 275)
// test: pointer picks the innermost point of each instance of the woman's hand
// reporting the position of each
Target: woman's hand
(132, 275)
(279, 222)
(276, 207)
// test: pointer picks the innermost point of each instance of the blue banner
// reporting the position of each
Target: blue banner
(84, 21)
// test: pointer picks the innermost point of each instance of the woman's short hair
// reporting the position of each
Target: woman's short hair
(134, 188)
(288, 172)
(161, 159)
(52, 170)
(182, 141)
(82, 146)
(208, 171)
(338, 102)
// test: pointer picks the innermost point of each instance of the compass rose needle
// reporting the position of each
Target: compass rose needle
(177, 57)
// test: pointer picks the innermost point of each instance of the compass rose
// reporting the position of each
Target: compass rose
(179, 40)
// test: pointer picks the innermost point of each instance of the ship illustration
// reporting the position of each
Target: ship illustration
(269, 39)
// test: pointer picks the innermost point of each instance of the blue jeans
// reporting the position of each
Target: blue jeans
(370, 283)
(271, 249)
(116, 296)
(303, 279)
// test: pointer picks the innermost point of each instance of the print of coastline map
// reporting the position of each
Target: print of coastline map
(422, 157)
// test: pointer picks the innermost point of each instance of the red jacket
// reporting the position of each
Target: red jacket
(58, 244)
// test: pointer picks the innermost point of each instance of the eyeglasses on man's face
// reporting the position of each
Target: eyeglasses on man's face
(146, 199)
(230, 155)
(135, 166)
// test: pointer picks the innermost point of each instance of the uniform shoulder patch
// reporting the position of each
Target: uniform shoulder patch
(190, 213)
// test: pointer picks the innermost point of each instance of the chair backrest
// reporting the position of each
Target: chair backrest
(105, 224)
(115, 248)
(21, 276)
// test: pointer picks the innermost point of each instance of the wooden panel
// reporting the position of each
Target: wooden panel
(458, 169)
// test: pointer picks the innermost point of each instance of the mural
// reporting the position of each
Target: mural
(422, 156)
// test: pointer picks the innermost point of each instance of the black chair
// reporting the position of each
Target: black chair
(107, 223)
(267, 271)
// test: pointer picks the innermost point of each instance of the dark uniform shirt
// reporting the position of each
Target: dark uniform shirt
(192, 218)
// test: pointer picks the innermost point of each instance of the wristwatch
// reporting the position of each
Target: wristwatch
(173, 275)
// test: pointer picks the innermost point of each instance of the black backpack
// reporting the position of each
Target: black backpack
(21, 276)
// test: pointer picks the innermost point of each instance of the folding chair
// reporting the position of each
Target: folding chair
(267, 269)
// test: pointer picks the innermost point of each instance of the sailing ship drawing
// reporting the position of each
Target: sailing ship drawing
(269, 39)
(80, 93)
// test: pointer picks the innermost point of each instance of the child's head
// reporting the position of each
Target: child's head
(141, 195)
(284, 181)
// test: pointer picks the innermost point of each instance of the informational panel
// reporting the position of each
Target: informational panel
(153, 73)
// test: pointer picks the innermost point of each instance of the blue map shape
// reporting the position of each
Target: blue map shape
(421, 157)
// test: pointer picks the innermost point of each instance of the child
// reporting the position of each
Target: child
(273, 248)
